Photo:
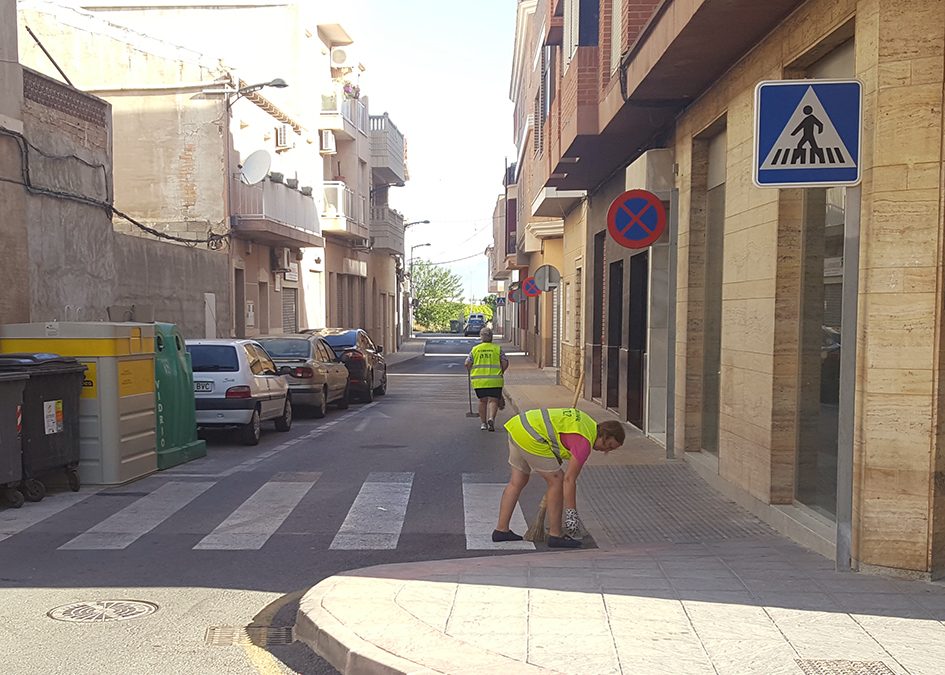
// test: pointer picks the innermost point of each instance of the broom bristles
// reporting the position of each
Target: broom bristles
(536, 532)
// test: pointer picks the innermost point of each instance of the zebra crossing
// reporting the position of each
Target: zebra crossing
(374, 520)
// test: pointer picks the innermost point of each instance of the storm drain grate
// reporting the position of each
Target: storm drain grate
(261, 636)
(822, 667)
(100, 611)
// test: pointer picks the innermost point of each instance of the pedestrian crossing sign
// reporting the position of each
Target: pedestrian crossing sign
(807, 133)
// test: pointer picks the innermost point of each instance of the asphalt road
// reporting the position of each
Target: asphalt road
(235, 538)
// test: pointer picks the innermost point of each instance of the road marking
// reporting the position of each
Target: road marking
(14, 521)
(481, 507)
(376, 517)
(436, 356)
(123, 528)
(425, 375)
(362, 425)
(257, 519)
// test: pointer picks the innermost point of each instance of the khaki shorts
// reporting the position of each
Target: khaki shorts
(526, 462)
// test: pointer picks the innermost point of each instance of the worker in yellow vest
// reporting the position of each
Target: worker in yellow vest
(543, 440)
(487, 364)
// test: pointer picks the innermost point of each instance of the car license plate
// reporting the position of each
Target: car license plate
(203, 386)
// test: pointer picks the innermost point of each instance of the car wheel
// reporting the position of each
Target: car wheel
(368, 394)
(322, 407)
(251, 432)
(284, 423)
(381, 390)
(345, 399)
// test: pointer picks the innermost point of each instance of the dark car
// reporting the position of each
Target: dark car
(367, 370)
(473, 326)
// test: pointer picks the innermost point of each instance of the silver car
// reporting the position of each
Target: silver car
(236, 384)
(316, 376)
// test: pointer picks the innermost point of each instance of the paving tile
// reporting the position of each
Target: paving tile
(752, 657)
(708, 584)
(716, 621)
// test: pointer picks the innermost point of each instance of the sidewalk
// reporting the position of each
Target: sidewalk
(684, 582)
(409, 349)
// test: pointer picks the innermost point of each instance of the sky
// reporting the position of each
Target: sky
(441, 68)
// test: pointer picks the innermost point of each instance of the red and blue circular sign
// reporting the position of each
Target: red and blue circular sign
(636, 219)
(530, 287)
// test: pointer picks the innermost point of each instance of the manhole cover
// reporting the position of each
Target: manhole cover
(261, 636)
(102, 610)
(822, 667)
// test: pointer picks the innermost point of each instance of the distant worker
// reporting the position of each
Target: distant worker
(486, 364)
(542, 440)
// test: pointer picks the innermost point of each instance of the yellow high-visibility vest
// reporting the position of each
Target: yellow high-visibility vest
(539, 431)
(486, 371)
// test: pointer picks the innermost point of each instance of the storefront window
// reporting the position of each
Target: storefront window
(819, 372)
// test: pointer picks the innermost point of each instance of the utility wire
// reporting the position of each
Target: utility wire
(447, 262)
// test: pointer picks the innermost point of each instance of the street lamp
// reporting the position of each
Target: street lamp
(416, 222)
(412, 248)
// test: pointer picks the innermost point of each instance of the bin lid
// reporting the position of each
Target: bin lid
(24, 362)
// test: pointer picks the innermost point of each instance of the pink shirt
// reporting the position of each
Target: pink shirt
(578, 446)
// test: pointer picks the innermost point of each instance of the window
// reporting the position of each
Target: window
(214, 358)
(572, 23)
(265, 363)
(255, 365)
(287, 348)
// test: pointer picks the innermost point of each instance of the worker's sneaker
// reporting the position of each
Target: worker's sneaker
(563, 542)
(491, 425)
(484, 427)
(498, 535)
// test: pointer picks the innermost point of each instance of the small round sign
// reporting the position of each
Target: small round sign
(636, 219)
(515, 285)
(547, 277)
(516, 295)
(530, 287)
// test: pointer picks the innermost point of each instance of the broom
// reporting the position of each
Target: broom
(536, 532)
(469, 391)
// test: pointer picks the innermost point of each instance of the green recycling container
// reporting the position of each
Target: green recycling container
(177, 440)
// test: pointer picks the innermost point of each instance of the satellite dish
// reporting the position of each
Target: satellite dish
(256, 167)
(547, 278)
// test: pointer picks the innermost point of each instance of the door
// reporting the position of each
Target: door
(337, 373)
(271, 386)
(614, 333)
(290, 310)
(239, 302)
(636, 343)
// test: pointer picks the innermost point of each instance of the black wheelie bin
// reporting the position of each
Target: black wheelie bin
(11, 455)
(50, 435)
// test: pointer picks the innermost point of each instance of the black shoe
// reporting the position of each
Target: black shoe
(491, 425)
(563, 542)
(498, 535)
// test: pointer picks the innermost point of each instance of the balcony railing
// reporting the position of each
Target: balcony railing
(387, 151)
(344, 211)
(275, 202)
(387, 229)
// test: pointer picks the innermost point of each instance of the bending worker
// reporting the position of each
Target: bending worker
(486, 364)
(542, 440)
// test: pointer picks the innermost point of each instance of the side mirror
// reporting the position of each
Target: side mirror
(380, 349)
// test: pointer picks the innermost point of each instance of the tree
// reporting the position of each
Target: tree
(437, 294)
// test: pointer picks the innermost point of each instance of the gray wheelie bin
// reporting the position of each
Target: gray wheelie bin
(11, 456)
(50, 433)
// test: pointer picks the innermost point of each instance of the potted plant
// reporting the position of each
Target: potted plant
(351, 90)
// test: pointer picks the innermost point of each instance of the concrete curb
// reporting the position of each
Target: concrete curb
(344, 649)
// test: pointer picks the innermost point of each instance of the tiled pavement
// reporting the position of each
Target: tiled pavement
(687, 582)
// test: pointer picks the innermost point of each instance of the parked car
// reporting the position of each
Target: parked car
(475, 324)
(236, 384)
(316, 377)
(367, 370)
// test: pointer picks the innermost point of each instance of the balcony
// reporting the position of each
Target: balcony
(274, 214)
(343, 212)
(346, 117)
(551, 202)
(387, 230)
(388, 164)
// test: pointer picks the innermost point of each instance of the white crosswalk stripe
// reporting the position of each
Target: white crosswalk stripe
(14, 521)
(123, 528)
(481, 506)
(377, 515)
(251, 525)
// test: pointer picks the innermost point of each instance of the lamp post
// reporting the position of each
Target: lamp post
(416, 222)
(412, 248)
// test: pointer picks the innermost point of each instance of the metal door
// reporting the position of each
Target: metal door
(290, 310)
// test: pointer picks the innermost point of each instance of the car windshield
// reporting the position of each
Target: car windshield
(342, 340)
(287, 348)
(214, 358)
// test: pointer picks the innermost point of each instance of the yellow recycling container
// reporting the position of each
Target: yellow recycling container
(117, 438)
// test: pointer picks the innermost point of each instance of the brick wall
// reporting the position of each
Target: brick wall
(636, 14)
(604, 42)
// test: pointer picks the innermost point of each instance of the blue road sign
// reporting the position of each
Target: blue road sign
(807, 133)
(636, 219)
(499, 301)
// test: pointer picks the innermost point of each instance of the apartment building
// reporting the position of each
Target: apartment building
(828, 428)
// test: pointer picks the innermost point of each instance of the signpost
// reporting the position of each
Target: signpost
(548, 278)
(807, 133)
(636, 219)
(530, 287)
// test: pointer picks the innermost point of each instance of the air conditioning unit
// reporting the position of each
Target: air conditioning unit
(281, 260)
(282, 137)
(329, 146)
(343, 57)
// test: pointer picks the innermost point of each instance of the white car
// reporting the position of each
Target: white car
(236, 384)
